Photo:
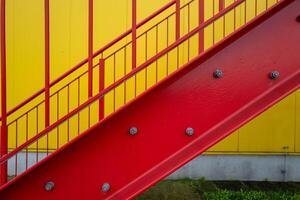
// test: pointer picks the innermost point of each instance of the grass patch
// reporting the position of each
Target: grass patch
(249, 195)
(221, 190)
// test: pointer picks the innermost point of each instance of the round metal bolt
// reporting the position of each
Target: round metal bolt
(218, 73)
(189, 131)
(105, 187)
(274, 75)
(133, 131)
(49, 186)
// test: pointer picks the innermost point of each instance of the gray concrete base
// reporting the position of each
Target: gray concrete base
(241, 167)
(214, 167)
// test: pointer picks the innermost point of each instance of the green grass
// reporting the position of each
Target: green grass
(249, 195)
(221, 190)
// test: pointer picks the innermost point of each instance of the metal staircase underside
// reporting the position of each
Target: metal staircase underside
(189, 98)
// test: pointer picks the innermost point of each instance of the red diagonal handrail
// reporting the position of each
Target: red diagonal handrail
(83, 62)
(120, 81)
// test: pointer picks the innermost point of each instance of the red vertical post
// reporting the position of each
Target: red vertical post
(47, 63)
(101, 88)
(133, 34)
(201, 20)
(90, 50)
(177, 19)
(3, 139)
(221, 5)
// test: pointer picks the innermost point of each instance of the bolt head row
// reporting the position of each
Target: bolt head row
(273, 75)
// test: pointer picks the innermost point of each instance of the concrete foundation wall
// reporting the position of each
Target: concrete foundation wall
(241, 167)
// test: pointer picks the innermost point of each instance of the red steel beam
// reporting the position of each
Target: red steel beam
(107, 151)
(4, 137)
(122, 80)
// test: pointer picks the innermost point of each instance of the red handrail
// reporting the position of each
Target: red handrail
(120, 81)
(85, 61)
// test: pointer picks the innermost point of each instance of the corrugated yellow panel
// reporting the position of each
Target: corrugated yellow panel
(297, 121)
(25, 49)
(111, 18)
(229, 144)
(272, 130)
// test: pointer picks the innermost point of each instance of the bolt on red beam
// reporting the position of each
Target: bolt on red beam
(3, 138)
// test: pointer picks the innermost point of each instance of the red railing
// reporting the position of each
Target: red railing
(31, 144)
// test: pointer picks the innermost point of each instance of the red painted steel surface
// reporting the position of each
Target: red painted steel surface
(118, 82)
(190, 98)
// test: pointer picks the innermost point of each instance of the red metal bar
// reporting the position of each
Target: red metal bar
(134, 27)
(101, 88)
(90, 49)
(221, 5)
(177, 19)
(121, 80)
(201, 32)
(83, 62)
(4, 146)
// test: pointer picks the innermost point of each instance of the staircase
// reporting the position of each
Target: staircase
(119, 154)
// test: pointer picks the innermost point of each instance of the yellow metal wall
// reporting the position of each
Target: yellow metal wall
(269, 133)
